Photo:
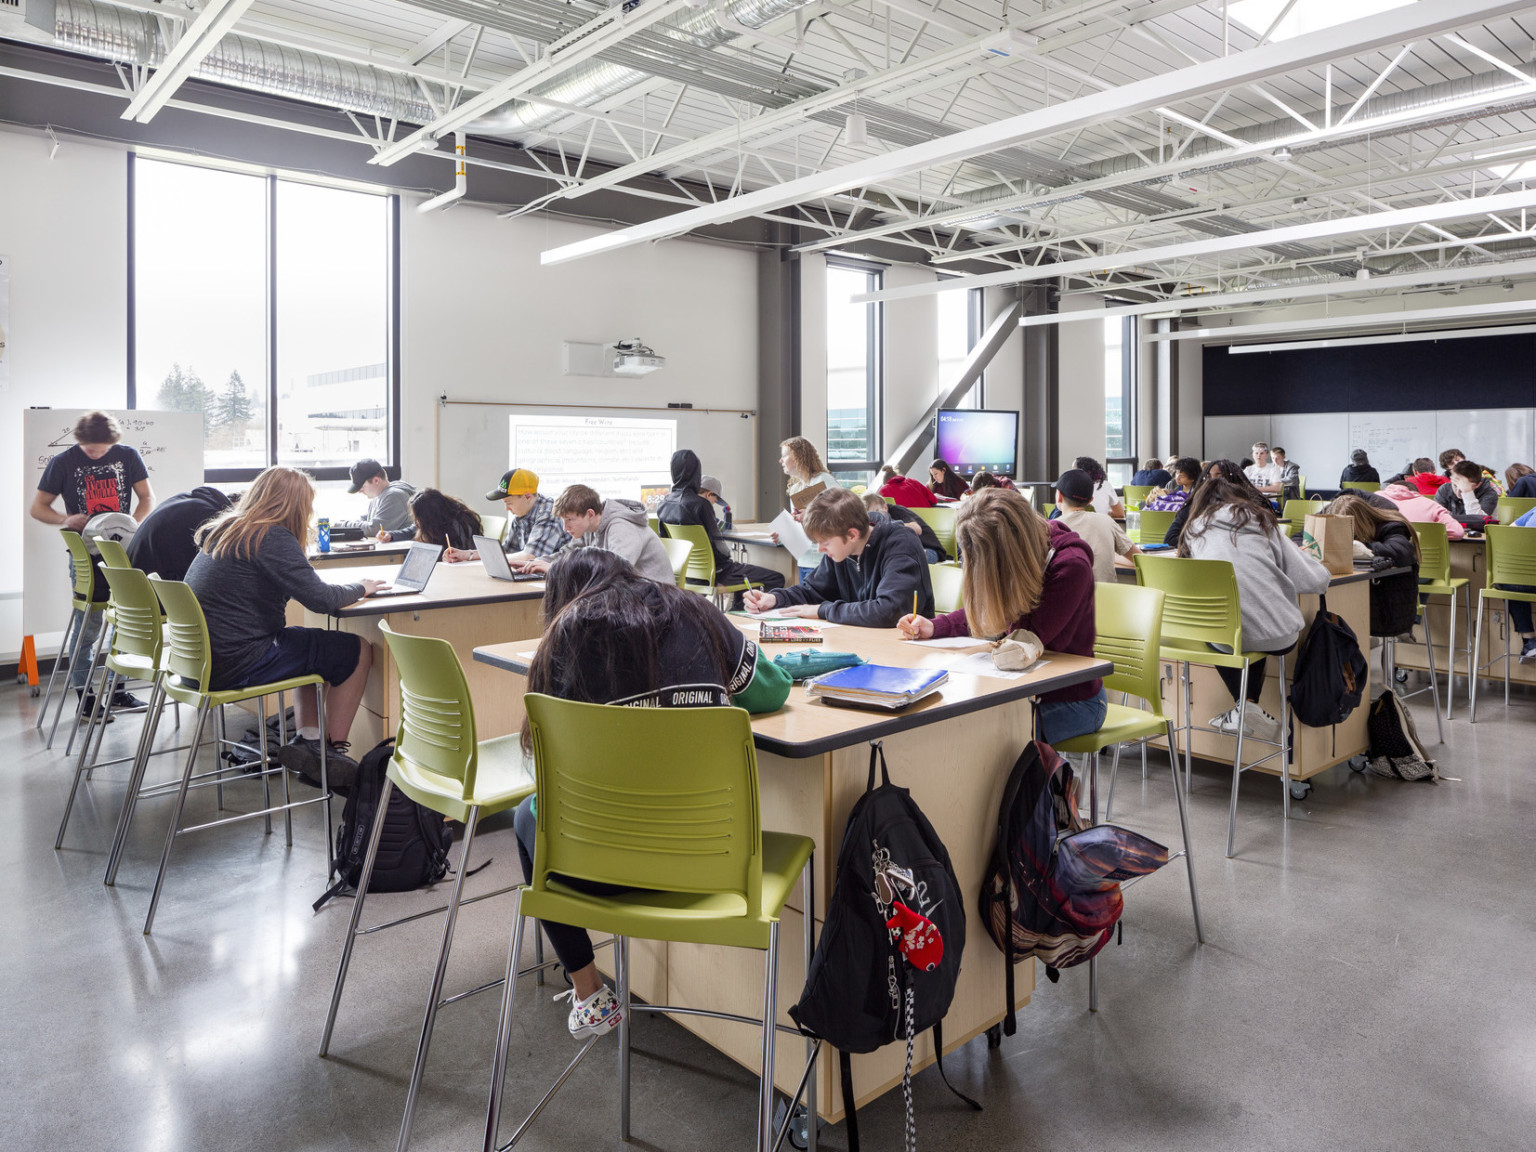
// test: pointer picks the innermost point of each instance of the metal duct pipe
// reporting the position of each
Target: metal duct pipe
(127, 36)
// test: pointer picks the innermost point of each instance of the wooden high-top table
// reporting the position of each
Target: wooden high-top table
(953, 751)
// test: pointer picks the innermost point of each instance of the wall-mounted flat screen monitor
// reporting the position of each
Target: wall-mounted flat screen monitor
(973, 439)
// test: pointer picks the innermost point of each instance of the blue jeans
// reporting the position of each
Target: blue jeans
(1519, 610)
(933, 557)
(1064, 719)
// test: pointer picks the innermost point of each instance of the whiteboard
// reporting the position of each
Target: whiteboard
(1492, 437)
(1231, 437)
(617, 455)
(1392, 439)
(1316, 442)
(172, 446)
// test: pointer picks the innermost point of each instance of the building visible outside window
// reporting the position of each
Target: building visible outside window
(959, 329)
(1119, 398)
(229, 268)
(853, 373)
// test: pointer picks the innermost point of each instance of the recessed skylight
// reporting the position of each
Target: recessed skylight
(1306, 16)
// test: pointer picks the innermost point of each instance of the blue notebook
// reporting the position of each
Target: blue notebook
(878, 685)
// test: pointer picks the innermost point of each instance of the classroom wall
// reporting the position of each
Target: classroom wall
(1080, 389)
(911, 355)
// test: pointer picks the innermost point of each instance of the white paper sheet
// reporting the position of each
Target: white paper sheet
(948, 642)
(791, 535)
(980, 664)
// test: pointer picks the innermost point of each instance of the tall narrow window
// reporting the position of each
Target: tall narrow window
(1119, 398)
(959, 329)
(853, 372)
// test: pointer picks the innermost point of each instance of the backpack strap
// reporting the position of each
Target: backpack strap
(845, 1074)
(1000, 860)
(938, 1057)
(877, 749)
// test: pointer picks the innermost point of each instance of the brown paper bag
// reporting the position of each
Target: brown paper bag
(1331, 541)
(802, 499)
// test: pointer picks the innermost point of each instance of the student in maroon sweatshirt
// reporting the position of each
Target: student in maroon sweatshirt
(1022, 571)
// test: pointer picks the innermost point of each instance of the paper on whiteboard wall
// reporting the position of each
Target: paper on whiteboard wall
(791, 535)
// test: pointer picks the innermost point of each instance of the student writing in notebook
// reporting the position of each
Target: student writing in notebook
(1024, 572)
(615, 637)
(868, 572)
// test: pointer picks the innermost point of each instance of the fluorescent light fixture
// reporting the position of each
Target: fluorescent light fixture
(1305, 15)
(1389, 338)
(1399, 318)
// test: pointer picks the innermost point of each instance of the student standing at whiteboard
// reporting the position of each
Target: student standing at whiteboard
(97, 475)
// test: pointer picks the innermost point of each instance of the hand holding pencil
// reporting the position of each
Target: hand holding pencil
(915, 627)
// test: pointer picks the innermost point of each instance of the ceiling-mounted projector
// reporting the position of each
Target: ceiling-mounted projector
(632, 358)
(621, 358)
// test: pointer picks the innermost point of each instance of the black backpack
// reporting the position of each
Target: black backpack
(413, 845)
(862, 992)
(1330, 677)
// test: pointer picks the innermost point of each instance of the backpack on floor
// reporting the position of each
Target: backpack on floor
(1056, 898)
(889, 955)
(1330, 677)
(413, 845)
(1394, 749)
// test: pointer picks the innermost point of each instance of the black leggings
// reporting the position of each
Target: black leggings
(572, 945)
(1233, 677)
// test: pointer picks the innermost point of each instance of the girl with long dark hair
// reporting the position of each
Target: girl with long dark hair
(1104, 498)
(945, 481)
(441, 519)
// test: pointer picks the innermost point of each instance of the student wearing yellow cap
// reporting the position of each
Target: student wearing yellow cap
(533, 530)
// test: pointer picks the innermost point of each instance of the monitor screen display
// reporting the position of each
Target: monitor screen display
(971, 440)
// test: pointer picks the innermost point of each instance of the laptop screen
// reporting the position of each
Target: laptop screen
(493, 558)
(418, 566)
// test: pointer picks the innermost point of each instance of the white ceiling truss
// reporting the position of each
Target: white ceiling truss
(1153, 148)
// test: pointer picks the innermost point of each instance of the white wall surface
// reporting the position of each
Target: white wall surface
(1080, 389)
(911, 356)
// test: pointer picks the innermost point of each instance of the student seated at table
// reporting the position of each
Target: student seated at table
(711, 489)
(1104, 498)
(1384, 539)
(1227, 470)
(1520, 610)
(1520, 481)
(389, 502)
(1359, 470)
(1152, 474)
(684, 505)
(1234, 522)
(533, 531)
(1074, 500)
(1418, 509)
(1186, 474)
(165, 542)
(1264, 474)
(1421, 476)
(1454, 456)
(1290, 473)
(1024, 572)
(615, 637)
(945, 481)
(905, 491)
(437, 518)
(933, 548)
(1468, 492)
(615, 525)
(250, 563)
(870, 574)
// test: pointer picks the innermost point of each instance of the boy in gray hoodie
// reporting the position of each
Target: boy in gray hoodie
(614, 524)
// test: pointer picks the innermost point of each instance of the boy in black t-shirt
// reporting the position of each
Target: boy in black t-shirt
(97, 475)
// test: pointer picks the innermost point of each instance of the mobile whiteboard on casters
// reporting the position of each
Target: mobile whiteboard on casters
(616, 455)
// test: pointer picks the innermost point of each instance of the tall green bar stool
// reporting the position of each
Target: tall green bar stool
(664, 800)
(1151, 526)
(942, 521)
(1359, 486)
(701, 563)
(439, 763)
(1129, 621)
(1511, 508)
(678, 552)
(946, 580)
(81, 605)
(1136, 494)
(1511, 560)
(1201, 608)
(1435, 579)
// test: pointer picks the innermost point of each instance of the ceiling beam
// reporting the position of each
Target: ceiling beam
(1368, 320)
(1428, 17)
(200, 37)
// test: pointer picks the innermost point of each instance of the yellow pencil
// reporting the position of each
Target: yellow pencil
(914, 602)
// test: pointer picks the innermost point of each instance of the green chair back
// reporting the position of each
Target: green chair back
(1201, 605)
(493, 526)
(946, 587)
(701, 558)
(1512, 559)
(437, 716)
(1129, 619)
(1151, 526)
(1360, 486)
(1297, 511)
(1136, 494)
(190, 656)
(1047, 509)
(138, 622)
(678, 553)
(1511, 508)
(890, 500)
(82, 571)
(1301, 485)
(942, 521)
(1434, 553)
(113, 554)
(654, 798)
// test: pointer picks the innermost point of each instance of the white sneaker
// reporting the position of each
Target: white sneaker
(1260, 724)
(597, 1015)
(1227, 722)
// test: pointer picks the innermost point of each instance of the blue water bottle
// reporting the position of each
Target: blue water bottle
(325, 534)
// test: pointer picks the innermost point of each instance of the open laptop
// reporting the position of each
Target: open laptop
(414, 573)
(495, 561)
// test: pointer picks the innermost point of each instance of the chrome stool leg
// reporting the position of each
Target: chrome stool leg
(59, 661)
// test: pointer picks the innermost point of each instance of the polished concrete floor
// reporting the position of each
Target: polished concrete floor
(1367, 984)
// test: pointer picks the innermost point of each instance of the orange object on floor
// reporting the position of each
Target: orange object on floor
(28, 664)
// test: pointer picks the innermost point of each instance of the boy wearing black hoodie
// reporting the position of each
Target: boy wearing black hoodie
(869, 576)
(684, 505)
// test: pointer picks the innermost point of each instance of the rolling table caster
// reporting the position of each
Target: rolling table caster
(799, 1126)
(1300, 789)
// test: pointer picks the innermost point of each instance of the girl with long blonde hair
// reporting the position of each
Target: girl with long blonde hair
(802, 464)
(1025, 572)
(250, 563)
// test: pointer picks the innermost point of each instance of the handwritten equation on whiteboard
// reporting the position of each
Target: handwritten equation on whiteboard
(146, 434)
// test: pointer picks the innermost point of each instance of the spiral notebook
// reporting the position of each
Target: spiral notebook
(877, 685)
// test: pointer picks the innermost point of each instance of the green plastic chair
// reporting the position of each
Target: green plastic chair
(664, 801)
(1360, 486)
(889, 500)
(1511, 508)
(1047, 509)
(678, 552)
(946, 587)
(1129, 622)
(701, 562)
(113, 554)
(493, 526)
(1201, 608)
(187, 674)
(1297, 511)
(1136, 495)
(942, 521)
(1435, 579)
(439, 763)
(1151, 526)
(81, 604)
(1511, 560)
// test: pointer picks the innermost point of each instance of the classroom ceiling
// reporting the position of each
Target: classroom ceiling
(725, 100)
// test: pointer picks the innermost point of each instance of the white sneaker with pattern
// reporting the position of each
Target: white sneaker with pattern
(596, 1015)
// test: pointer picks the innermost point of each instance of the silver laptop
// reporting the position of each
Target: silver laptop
(415, 572)
(495, 561)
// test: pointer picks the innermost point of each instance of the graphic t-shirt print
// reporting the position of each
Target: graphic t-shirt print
(102, 487)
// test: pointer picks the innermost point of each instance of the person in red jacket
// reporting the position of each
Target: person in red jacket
(1422, 476)
(904, 490)
(1022, 571)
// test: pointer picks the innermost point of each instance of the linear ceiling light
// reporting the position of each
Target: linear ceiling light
(1426, 18)
(1365, 320)
(199, 38)
(1388, 338)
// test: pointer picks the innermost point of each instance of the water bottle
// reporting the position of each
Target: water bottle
(325, 533)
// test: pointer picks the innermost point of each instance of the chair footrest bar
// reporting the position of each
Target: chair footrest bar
(250, 815)
(673, 1010)
(550, 1095)
(438, 909)
(532, 970)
